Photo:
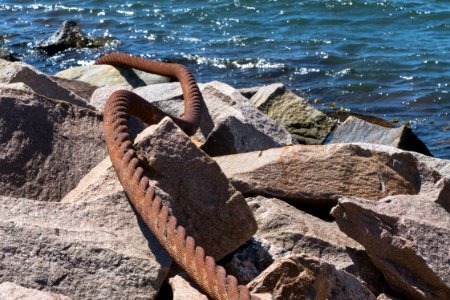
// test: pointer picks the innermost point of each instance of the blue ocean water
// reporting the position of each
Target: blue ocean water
(386, 58)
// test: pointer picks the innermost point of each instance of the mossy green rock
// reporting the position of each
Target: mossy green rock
(306, 124)
(104, 75)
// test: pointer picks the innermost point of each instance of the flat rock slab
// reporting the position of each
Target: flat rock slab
(297, 232)
(407, 239)
(304, 277)
(166, 96)
(355, 130)
(12, 291)
(306, 124)
(103, 75)
(46, 146)
(313, 174)
(199, 194)
(40, 83)
(85, 250)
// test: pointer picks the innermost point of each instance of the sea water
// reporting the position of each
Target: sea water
(385, 58)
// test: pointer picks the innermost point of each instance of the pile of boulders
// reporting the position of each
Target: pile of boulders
(289, 216)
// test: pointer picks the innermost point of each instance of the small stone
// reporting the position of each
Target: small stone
(69, 36)
(183, 289)
(46, 146)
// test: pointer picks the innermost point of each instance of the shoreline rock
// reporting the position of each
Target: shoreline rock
(412, 234)
(46, 145)
(69, 36)
(306, 124)
(355, 130)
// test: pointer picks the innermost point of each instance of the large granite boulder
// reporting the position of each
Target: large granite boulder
(297, 232)
(105, 75)
(84, 250)
(304, 277)
(316, 174)
(306, 124)
(190, 182)
(167, 96)
(13, 72)
(406, 238)
(355, 130)
(46, 146)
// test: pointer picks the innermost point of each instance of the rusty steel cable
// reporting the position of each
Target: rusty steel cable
(212, 279)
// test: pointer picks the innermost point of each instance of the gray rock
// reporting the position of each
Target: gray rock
(104, 75)
(232, 136)
(7, 55)
(407, 239)
(198, 192)
(69, 36)
(355, 130)
(40, 83)
(223, 101)
(183, 289)
(297, 232)
(316, 174)
(85, 250)
(46, 146)
(305, 277)
(12, 291)
(306, 124)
